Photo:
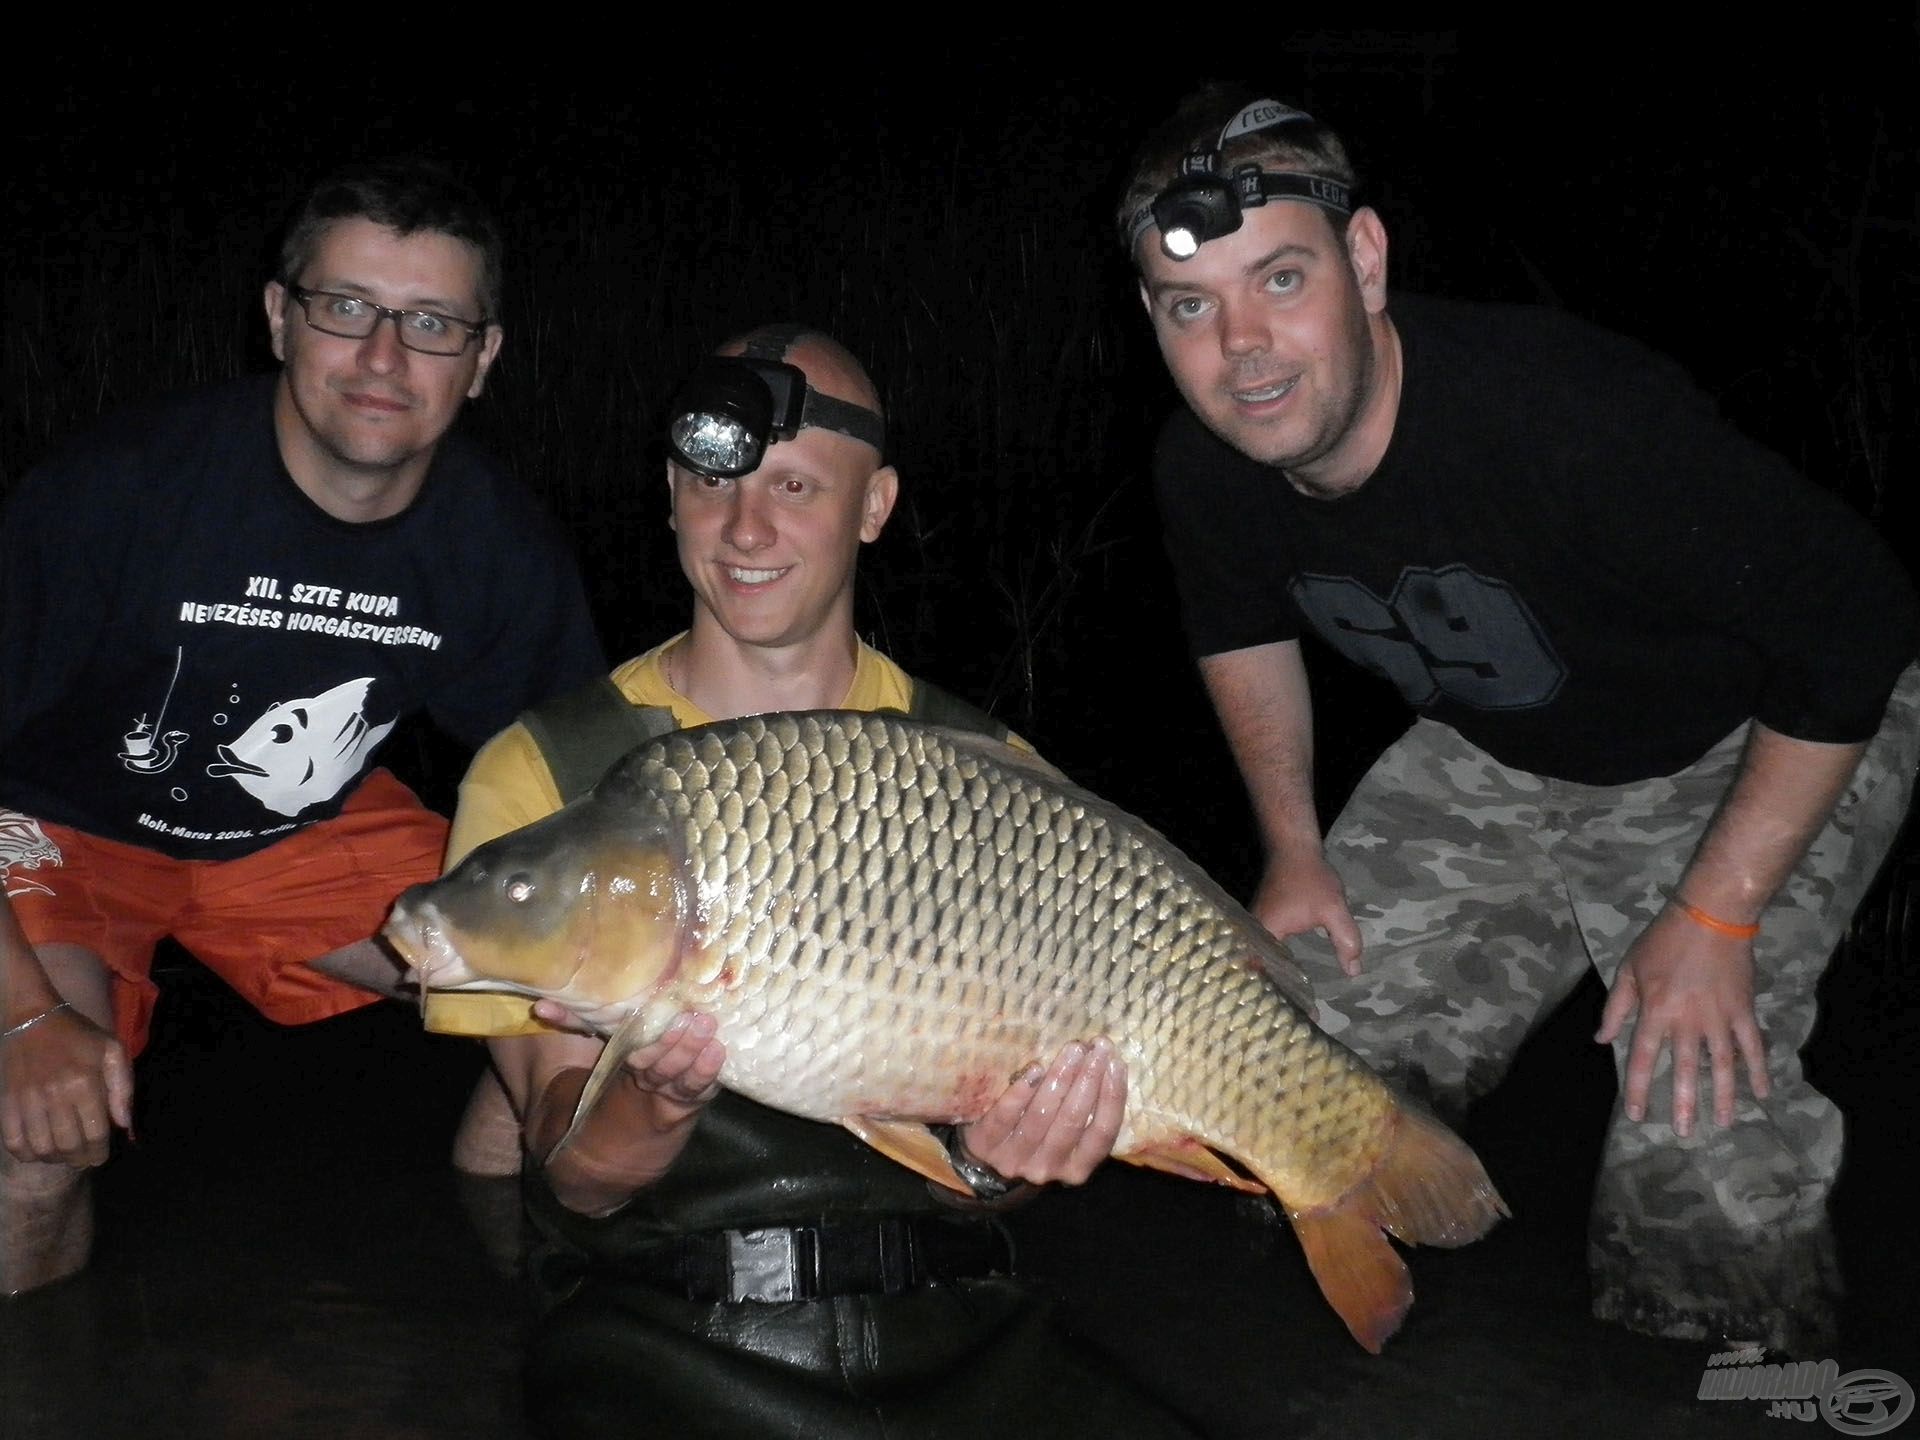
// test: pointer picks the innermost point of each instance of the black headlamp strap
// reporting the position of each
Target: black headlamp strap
(773, 342)
(1249, 120)
(1260, 115)
(1252, 186)
(821, 411)
(1257, 186)
(843, 416)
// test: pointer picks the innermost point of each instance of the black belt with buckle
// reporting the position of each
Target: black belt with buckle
(883, 1256)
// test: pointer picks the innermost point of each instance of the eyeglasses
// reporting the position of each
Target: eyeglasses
(353, 317)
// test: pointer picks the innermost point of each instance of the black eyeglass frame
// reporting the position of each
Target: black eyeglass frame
(475, 328)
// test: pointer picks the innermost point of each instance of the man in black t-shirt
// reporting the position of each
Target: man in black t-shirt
(212, 612)
(1640, 748)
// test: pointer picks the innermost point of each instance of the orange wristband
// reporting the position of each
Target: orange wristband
(1714, 922)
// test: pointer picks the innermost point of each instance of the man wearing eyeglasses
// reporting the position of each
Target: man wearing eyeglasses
(212, 612)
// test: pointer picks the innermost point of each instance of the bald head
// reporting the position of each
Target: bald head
(829, 366)
(771, 552)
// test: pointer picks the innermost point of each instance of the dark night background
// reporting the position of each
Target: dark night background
(1745, 202)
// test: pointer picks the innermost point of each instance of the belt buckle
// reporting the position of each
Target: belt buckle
(773, 1264)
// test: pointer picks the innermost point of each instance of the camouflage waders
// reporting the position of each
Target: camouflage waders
(1483, 894)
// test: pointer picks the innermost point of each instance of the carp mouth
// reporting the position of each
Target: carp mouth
(433, 962)
(422, 940)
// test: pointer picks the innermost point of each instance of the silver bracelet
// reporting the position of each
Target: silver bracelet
(26, 1025)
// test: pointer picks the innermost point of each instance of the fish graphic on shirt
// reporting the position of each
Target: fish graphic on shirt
(300, 752)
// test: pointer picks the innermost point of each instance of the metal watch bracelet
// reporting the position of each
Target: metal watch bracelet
(985, 1182)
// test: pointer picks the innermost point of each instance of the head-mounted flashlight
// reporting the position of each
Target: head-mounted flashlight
(733, 406)
(1203, 204)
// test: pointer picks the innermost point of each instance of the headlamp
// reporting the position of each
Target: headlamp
(733, 406)
(1202, 204)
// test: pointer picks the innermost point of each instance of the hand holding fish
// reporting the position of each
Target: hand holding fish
(64, 1084)
(1689, 986)
(1052, 1125)
(1055, 1125)
(685, 1073)
(681, 1069)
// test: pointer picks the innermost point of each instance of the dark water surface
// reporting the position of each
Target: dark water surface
(285, 1252)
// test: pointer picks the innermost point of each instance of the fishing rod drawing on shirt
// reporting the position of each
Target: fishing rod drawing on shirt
(141, 754)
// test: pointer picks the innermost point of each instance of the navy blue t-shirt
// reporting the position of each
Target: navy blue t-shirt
(1566, 554)
(196, 658)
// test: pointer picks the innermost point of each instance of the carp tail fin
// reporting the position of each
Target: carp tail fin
(1428, 1188)
(1358, 1270)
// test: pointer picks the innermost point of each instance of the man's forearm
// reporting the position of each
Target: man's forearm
(1782, 796)
(25, 990)
(626, 1143)
(629, 1141)
(1266, 711)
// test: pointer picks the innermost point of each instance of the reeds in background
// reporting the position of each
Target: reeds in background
(1746, 206)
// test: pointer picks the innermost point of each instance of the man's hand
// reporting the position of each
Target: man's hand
(680, 1070)
(1057, 1124)
(640, 1124)
(64, 1084)
(1265, 708)
(1300, 892)
(1689, 986)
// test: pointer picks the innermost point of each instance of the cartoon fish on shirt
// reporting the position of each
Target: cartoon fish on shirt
(300, 752)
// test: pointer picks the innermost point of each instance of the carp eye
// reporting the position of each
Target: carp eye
(519, 889)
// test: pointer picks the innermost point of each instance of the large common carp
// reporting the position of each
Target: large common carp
(890, 920)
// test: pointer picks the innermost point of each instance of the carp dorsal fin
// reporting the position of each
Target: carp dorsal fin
(913, 1145)
(633, 1032)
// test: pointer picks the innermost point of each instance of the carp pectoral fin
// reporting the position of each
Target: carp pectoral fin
(1186, 1157)
(1358, 1270)
(912, 1144)
(632, 1034)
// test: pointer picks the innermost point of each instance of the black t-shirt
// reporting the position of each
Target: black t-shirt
(196, 658)
(1565, 554)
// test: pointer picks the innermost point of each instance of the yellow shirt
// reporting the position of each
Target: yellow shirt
(509, 785)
